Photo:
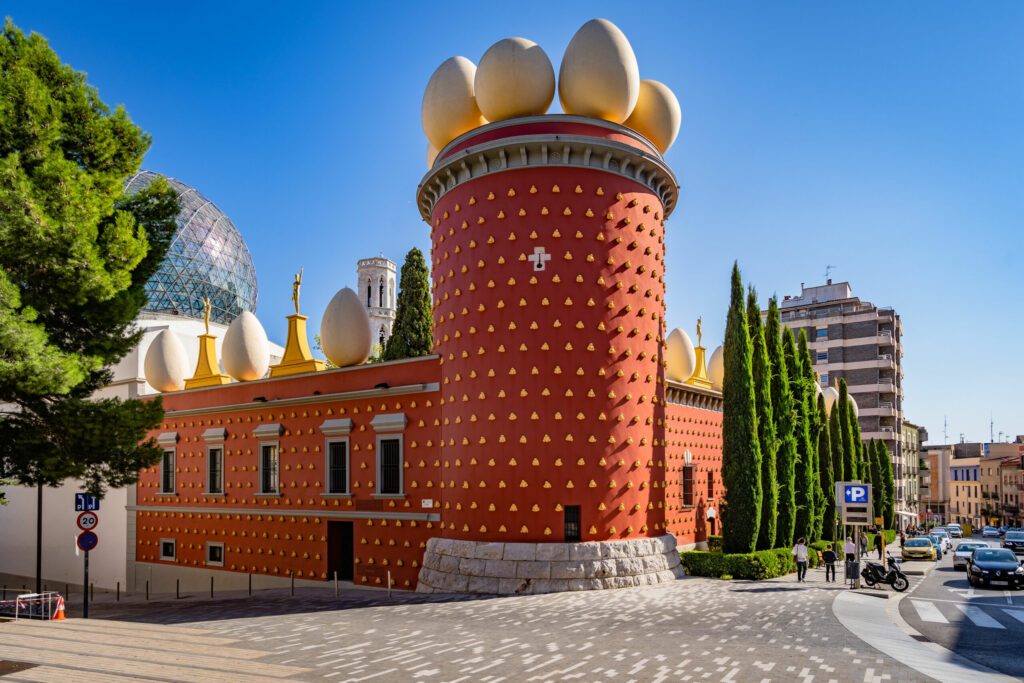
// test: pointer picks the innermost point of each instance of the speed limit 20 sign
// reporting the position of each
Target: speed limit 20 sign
(88, 521)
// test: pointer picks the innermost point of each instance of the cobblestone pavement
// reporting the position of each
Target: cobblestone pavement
(690, 630)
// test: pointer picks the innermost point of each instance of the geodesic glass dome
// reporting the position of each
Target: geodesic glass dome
(206, 259)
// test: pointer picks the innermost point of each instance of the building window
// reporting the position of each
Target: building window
(822, 333)
(369, 293)
(215, 470)
(215, 554)
(821, 355)
(167, 473)
(711, 486)
(687, 485)
(337, 466)
(380, 294)
(824, 378)
(269, 468)
(572, 523)
(389, 464)
(167, 549)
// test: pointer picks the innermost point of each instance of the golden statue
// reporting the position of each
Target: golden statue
(699, 333)
(295, 290)
(206, 313)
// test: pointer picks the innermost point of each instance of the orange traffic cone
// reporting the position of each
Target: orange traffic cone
(59, 614)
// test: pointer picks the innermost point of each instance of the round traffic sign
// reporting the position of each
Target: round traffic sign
(88, 521)
(87, 540)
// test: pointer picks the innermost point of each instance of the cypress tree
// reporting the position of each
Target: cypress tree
(887, 483)
(785, 428)
(826, 475)
(871, 477)
(765, 424)
(850, 455)
(811, 382)
(741, 452)
(411, 335)
(803, 472)
(860, 461)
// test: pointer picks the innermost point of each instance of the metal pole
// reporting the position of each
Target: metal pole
(389, 584)
(118, 591)
(211, 587)
(292, 575)
(92, 591)
(250, 584)
(335, 584)
(177, 589)
(39, 538)
(85, 589)
(856, 580)
(147, 590)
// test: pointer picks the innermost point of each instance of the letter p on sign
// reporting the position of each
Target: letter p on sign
(856, 494)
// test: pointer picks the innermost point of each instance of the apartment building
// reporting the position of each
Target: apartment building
(906, 470)
(965, 501)
(934, 485)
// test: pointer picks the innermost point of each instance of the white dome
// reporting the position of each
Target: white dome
(682, 359)
(853, 404)
(831, 396)
(166, 365)
(345, 335)
(246, 350)
(716, 368)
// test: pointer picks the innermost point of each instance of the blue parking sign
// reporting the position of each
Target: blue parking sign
(855, 494)
(84, 502)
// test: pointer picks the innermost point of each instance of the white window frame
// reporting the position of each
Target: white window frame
(168, 558)
(327, 466)
(174, 473)
(277, 487)
(214, 544)
(209, 462)
(395, 436)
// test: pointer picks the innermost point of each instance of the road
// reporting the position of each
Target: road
(985, 625)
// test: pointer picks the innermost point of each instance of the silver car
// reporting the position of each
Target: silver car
(955, 531)
(962, 553)
(943, 535)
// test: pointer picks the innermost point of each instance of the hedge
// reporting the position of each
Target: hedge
(715, 544)
(762, 564)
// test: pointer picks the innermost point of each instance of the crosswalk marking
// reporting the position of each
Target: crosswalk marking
(1016, 614)
(979, 617)
(929, 612)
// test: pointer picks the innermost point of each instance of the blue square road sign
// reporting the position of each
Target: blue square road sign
(854, 494)
(84, 502)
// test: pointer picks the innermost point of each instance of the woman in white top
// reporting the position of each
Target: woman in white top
(800, 554)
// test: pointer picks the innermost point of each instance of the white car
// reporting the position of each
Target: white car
(962, 553)
(947, 542)
(990, 532)
(955, 531)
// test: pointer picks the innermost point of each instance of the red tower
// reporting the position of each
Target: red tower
(548, 274)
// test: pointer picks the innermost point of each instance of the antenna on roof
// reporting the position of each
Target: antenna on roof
(828, 271)
(991, 429)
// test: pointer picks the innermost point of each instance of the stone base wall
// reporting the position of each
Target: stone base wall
(453, 566)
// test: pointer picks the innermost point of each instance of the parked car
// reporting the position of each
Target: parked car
(943, 535)
(918, 548)
(954, 531)
(937, 544)
(990, 532)
(1014, 540)
(995, 566)
(964, 550)
(1002, 530)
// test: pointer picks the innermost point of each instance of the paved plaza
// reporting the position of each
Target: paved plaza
(690, 630)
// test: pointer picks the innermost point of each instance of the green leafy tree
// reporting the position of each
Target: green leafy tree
(803, 472)
(75, 254)
(741, 452)
(850, 450)
(785, 428)
(765, 424)
(411, 335)
(887, 484)
(826, 476)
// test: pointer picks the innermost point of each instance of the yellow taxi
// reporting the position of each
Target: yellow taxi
(918, 549)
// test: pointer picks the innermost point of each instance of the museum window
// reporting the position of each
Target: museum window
(711, 486)
(269, 468)
(167, 548)
(572, 524)
(215, 554)
(215, 470)
(369, 293)
(380, 294)
(687, 485)
(389, 465)
(337, 466)
(167, 472)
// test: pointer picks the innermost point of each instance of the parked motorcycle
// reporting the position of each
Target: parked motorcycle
(874, 572)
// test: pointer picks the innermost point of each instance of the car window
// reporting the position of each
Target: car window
(1015, 536)
(994, 554)
(919, 543)
(969, 546)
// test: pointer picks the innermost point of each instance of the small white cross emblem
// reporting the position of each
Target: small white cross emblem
(539, 258)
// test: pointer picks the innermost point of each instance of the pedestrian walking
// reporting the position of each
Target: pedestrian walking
(863, 540)
(829, 558)
(878, 544)
(903, 538)
(849, 550)
(800, 554)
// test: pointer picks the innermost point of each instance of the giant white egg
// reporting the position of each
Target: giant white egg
(716, 368)
(449, 103)
(599, 76)
(831, 396)
(246, 351)
(345, 335)
(514, 78)
(166, 365)
(853, 404)
(681, 356)
(431, 154)
(657, 115)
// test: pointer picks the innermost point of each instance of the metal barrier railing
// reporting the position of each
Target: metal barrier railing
(33, 605)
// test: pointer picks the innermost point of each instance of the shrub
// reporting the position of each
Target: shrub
(715, 544)
(756, 566)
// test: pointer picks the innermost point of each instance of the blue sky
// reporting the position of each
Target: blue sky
(884, 139)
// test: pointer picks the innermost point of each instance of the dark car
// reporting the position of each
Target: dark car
(1014, 540)
(990, 566)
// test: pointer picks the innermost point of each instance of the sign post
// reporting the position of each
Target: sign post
(856, 512)
(87, 540)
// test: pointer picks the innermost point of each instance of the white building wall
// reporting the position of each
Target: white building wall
(371, 273)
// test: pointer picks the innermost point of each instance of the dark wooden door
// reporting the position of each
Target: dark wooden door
(340, 551)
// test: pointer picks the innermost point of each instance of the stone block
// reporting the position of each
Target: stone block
(490, 551)
(584, 551)
(502, 569)
(453, 583)
(673, 559)
(520, 552)
(472, 567)
(533, 570)
(441, 546)
(549, 586)
(599, 569)
(483, 584)
(463, 548)
(449, 564)
(431, 560)
(613, 550)
(629, 566)
(552, 552)
(653, 563)
(513, 586)
(567, 570)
